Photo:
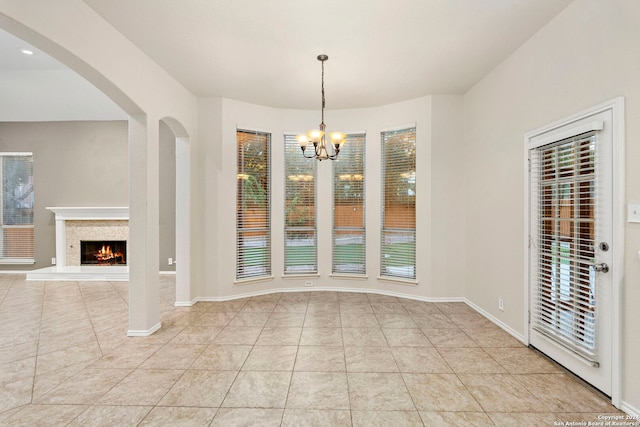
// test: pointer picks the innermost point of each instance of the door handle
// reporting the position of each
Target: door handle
(602, 267)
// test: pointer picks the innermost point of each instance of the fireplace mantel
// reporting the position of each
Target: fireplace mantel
(90, 213)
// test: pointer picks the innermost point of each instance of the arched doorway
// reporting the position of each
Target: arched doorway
(142, 100)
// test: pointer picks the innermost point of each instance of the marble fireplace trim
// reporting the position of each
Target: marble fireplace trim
(74, 224)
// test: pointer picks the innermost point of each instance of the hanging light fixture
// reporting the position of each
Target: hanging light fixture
(318, 137)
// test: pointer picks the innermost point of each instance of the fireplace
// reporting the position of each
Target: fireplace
(103, 252)
(77, 227)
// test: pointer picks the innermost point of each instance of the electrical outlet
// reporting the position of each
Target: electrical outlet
(501, 304)
(170, 261)
(53, 260)
(308, 283)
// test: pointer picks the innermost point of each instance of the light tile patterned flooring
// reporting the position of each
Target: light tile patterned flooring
(290, 359)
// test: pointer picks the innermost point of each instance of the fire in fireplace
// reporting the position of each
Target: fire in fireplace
(103, 252)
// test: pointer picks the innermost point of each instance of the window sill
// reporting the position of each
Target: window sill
(17, 261)
(349, 276)
(300, 275)
(398, 281)
(251, 280)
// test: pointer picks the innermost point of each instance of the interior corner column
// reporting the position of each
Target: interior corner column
(144, 290)
(184, 293)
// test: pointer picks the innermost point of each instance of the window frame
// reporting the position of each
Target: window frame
(355, 139)
(30, 243)
(404, 233)
(243, 258)
(291, 264)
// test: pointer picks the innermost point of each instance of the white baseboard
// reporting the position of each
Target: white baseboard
(143, 333)
(630, 410)
(315, 289)
(185, 303)
(498, 322)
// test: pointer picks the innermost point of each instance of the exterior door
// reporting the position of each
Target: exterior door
(570, 246)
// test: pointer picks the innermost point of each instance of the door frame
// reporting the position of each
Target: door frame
(616, 106)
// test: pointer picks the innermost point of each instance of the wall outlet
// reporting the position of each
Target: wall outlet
(501, 304)
(53, 260)
(308, 283)
(170, 261)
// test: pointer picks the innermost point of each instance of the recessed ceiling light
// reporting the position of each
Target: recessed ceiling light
(27, 51)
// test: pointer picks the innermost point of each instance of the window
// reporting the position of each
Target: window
(563, 179)
(253, 219)
(348, 235)
(398, 236)
(300, 236)
(16, 243)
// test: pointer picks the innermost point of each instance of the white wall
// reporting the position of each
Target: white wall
(587, 55)
(438, 275)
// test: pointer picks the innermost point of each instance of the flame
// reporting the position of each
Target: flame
(105, 254)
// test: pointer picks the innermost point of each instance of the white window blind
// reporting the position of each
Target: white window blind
(398, 234)
(17, 195)
(349, 238)
(564, 210)
(300, 234)
(253, 220)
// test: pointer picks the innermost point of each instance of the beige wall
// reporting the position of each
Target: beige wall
(86, 164)
(74, 164)
(587, 55)
(447, 214)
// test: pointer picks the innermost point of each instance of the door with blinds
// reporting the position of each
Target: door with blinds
(570, 246)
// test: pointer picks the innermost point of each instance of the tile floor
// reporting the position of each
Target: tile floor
(286, 359)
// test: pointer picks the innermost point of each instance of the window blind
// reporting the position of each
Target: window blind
(564, 210)
(398, 217)
(300, 234)
(349, 238)
(17, 195)
(253, 202)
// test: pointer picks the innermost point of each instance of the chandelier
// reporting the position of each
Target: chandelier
(318, 137)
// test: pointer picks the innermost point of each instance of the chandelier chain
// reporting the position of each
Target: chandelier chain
(322, 62)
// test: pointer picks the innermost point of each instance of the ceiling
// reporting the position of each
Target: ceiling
(264, 51)
(39, 88)
(11, 59)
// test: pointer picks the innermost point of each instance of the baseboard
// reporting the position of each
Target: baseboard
(315, 289)
(143, 333)
(630, 410)
(185, 303)
(497, 322)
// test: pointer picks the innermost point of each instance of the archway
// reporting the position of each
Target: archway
(98, 57)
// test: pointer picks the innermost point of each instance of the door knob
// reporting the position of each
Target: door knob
(603, 267)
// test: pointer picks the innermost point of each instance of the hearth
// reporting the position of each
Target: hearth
(103, 252)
